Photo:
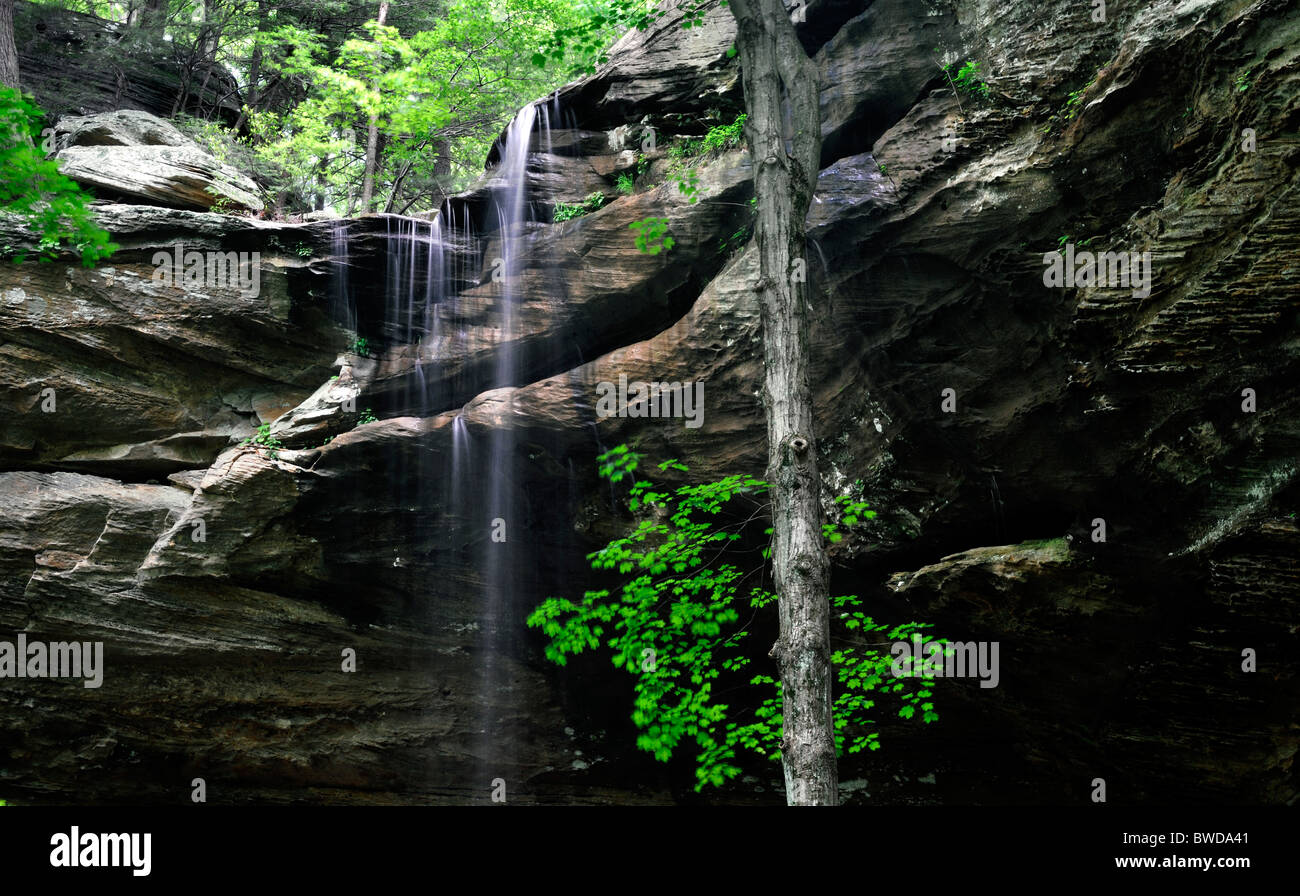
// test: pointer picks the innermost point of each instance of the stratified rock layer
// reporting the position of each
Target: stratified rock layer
(136, 155)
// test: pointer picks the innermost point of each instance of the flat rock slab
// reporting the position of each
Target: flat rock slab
(138, 155)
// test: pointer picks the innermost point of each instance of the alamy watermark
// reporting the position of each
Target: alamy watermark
(58, 659)
(1103, 269)
(638, 399)
(89, 850)
(950, 659)
(209, 270)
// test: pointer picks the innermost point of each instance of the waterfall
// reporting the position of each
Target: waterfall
(503, 509)
(342, 307)
(415, 324)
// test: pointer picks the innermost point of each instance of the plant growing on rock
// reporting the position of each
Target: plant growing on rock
(717, 139)
(565, 211)
(968, 78)
(221, 204)
(652, 235)
(264, 439)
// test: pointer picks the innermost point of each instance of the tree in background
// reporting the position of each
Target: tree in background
(355, 105)
(416, 113)
(8, 52)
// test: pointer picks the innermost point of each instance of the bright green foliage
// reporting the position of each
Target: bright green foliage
(861, 674)
(626, 184)
(675, 626)
(360, 346)
(968, 79)
(688, 182)
(652, 235)
(565, 211)
(264, 439)
(52, 206)
(725, 136)
(366, 417)
(1073, 103)
(439, 97)
(587, 39)
(717, 139)
(852, 511)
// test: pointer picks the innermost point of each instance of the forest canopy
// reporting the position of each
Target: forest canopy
(333, 93)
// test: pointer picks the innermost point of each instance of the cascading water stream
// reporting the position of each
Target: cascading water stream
(500, 560)
(426, 265)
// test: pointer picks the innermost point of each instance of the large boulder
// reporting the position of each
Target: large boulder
(144, 158)
(121, 372)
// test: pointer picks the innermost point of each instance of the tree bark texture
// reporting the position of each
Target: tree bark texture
(784, 133)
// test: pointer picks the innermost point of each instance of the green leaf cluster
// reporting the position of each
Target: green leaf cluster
(264, 439)
(674, 624)
(968, 78)
(585, 41)
(565, 211)
(652, 235)
(50, 205)
(717, 139)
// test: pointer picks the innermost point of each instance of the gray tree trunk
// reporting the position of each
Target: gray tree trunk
(8, 52)
(372, 143)
(784, 131)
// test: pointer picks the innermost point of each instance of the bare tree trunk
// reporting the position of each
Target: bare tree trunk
(150, 14)
(372, 143)
(780, 80)
(8, 51)
(251, 96)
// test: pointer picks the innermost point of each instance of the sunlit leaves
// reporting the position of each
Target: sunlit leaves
(52, 207)
(652, 235)
(679, 602)
(439, 96)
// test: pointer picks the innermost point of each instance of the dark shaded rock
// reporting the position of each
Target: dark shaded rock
(150, 377)
(78, 64)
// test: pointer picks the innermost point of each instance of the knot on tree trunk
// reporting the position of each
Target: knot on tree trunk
(795, 449)
(805, 564)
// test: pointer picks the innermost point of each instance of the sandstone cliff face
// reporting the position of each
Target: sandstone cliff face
(1120, 659)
